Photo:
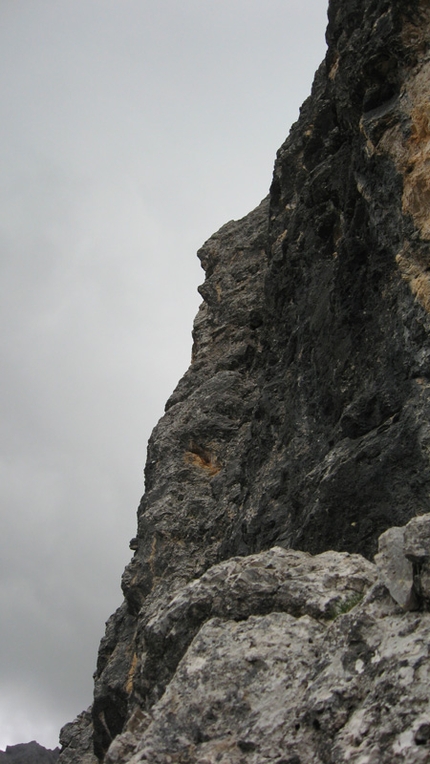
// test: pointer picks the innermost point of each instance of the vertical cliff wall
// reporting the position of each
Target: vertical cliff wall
(303, 419)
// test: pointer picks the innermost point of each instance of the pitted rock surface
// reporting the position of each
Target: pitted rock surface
(277, 580)
(347, 683)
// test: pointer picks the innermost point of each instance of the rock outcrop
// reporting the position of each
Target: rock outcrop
(302, 426)
(29, 753)
(295, 658)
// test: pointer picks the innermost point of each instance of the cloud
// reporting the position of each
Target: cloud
(25, 715)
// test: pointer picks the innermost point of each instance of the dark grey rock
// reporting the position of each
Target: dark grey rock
(76, 740)
(29, 753)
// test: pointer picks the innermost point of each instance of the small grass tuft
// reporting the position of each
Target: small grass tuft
(340, 608)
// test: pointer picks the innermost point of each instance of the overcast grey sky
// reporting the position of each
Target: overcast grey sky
(130, 131)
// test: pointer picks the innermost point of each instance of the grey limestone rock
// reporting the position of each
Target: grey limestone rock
(285, 657)
(277, 580)
(417, 540)
(259, 664)
(403, 562)
(417, 550)
(394, 568)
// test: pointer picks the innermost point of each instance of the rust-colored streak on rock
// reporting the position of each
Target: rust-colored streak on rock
(202, 459)
(131, 673)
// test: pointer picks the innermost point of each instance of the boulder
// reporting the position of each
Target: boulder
(403, 563)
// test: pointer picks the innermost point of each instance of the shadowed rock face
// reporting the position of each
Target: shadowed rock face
(340, 432)
(303, 421)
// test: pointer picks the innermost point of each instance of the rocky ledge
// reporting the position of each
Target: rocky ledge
(287, 657)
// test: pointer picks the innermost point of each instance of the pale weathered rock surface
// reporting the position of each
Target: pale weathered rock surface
(395, 570)
(302, 423)
(403, 563)
(277, 580)
(343, 679)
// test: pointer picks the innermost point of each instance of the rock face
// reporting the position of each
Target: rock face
(302, 426)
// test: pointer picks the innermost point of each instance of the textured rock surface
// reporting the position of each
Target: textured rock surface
(280, 580)
(76, 740)
(193, 472)
(285, 657)
(28, 753)
(403, 562)
(275, 688)
(395, 570)
(303, 421)
(340, 438)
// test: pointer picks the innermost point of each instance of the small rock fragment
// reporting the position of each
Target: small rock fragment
(417, 539)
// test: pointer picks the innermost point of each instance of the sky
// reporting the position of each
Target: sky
(130, 131)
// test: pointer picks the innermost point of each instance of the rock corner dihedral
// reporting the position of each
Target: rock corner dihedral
(254, 627)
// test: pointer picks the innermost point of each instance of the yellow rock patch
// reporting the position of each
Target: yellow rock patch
(203, 459)
(131, 673)
(411, 153)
